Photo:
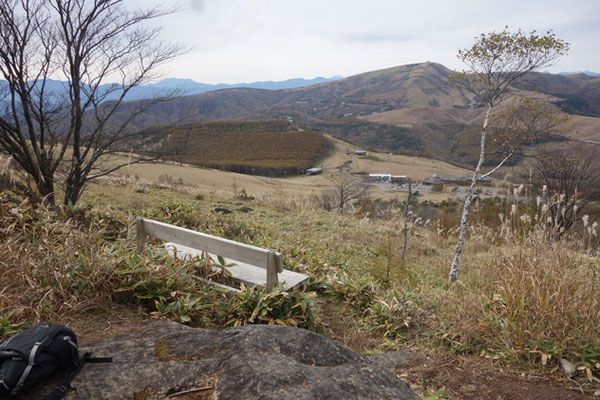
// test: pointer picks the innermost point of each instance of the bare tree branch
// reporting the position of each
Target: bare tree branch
(345, 189)
(85, 44)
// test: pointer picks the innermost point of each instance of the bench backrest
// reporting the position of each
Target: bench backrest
(263, 258)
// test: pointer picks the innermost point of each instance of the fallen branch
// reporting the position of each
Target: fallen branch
(198, 389)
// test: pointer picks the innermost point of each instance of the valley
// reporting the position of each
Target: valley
(341, 160)
(409, 231)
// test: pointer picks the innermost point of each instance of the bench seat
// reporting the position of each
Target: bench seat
(247, 274)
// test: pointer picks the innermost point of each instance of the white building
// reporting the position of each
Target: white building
(380, 177)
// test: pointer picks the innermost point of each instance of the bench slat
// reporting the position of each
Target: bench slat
(252, 261)
(212, 244)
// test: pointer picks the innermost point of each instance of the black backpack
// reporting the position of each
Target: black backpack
(29, 357)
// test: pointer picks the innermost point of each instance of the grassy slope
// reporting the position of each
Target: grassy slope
(518, 298)
(413, 108)
(511, 304)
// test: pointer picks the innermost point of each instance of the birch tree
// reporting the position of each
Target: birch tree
(98, 50)
(495, 62)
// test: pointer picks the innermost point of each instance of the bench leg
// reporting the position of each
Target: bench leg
(141, 234)
(271, 271)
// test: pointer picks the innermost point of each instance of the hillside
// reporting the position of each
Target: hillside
(578, 93)
(299, 188)
(522, 303)
(259, 147)
(409, 108)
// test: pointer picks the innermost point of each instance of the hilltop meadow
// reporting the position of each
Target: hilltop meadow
(525, 297)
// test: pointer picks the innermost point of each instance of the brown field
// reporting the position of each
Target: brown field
(410, 117)
(257, 147)
(585, 128)
(579, 127)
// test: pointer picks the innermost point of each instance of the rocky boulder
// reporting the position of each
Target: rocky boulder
(166, 360)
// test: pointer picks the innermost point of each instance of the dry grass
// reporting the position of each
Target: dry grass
(585, 127)
(65, 265)
(297, 189)
(522, 296)
(53, 265)
(528, 298)
(416, 168)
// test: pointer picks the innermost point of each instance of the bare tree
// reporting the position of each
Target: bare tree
(344, 190)
(495, 62)
(327, 199)
(523, 122)
(85, 44)
(570, 175)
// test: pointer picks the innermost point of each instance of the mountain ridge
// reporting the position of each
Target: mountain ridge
(407, 109)
(580, 72)
(403, 109)
(187, 87)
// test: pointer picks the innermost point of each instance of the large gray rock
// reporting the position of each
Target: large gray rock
(252, 362)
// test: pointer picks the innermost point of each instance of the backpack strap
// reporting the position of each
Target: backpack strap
(65, 384)
(88, 359)
(28, 368)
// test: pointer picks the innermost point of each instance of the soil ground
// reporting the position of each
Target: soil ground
(468, 379)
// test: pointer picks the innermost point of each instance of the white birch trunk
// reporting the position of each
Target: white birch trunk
(463, 220)
(406, 221)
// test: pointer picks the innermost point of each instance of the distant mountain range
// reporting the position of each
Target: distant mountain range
(580, 72)
(188, 87)
(410, 108)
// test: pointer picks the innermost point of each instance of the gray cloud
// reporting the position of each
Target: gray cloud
(197, 5)
(378, 37)
(251, 40)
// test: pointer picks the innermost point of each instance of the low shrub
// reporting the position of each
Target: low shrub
(51, 263)
(396, 315)
(152, 276)
(56, 265)
(257, 305)
(356, 293)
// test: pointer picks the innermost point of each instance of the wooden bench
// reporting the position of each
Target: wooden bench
(251, 261)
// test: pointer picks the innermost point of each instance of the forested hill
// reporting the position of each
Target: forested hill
(272, 148)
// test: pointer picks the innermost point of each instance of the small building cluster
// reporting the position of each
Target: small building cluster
(461, 180)
(388, 178)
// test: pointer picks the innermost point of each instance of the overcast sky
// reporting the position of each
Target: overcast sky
(236, 41)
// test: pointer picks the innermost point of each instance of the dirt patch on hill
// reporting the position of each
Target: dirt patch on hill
(467, 379)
